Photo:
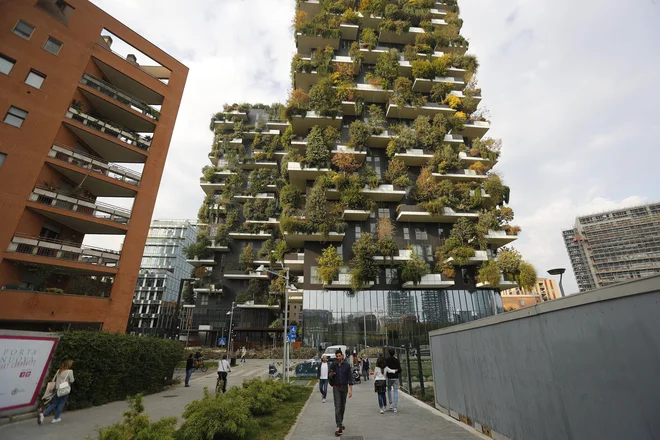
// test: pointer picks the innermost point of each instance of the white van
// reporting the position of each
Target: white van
(329, 352)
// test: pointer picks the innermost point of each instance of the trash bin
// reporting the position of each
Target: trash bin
(232, 362)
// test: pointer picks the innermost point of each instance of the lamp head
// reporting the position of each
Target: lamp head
(558, 271)
(260, 268)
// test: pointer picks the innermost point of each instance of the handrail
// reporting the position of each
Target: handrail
(116, 93)
(127, 136)
(66, 243)
(115, 213)
(129, 176)
(136, 65)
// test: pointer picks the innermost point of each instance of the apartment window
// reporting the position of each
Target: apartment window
(522, 302)
(15, 116)
(3, 156)
(53, 46)
(35, 79)
(358, 231)
(204, 300)
(383, 212)
(406, 233)
(6, 64)
(22, 29)
(58, 9)
(314, 275)
(340, 248)
(420, 234)
(429, 252)
(391, 276)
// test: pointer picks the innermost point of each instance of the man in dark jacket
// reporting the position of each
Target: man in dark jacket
(342, 386)
(189, 368)
(393, 380)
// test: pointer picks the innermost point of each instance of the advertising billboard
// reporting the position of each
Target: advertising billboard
(24, 361)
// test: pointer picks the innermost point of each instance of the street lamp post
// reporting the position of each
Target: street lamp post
(285, 347)
(559, 271)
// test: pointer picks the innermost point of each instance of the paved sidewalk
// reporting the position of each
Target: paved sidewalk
(363, 418)
(78, 425)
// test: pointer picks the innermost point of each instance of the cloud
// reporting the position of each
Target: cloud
(571, 88)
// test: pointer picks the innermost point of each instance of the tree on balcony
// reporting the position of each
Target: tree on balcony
(188, 294)
(489, 272)
(329, 264)
(368, 39)
(385, 231)
(246, 260)
(297, 104)
(363, 267)
(414, 269)
(494, 187)
(397, 173)
(317, 153)
(386, 70)
(323, 98)
(404, 94)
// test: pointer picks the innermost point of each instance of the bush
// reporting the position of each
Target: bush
(138, 426)
(112, 366)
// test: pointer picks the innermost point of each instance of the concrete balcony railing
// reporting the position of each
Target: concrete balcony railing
(119, 95)
(430, 281)
(98, 210)
(343, 281)
(479, 257)
(96, 164)
(499, 238)
(417, 214)
(403, 256)
(109, 128)
(461, 176)
(506, 282)
(63, 250)
(245, 275)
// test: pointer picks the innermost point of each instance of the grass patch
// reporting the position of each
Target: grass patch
(277, 425)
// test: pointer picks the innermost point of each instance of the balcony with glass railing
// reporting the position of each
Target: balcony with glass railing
(32, 249)
(62, 203)
(88, 162)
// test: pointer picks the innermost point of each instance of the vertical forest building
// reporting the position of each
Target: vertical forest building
(373, 186)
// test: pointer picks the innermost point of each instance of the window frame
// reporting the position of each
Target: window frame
(37, 74)
(8, 113)
(50, 37)
(13, 31)
(3, 158)
(9, 60)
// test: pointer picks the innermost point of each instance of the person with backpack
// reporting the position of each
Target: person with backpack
(380, 382)
(366, 367)
(393, 380)
(341, 379)
(62, 388)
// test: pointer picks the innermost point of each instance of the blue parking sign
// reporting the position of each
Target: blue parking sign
(293, 330)
(291, 337)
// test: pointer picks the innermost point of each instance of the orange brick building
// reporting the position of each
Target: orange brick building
(545, 289)
(71, 111)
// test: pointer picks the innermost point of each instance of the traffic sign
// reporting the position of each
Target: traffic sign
(293, 330)
(222, 341)
(291, 337)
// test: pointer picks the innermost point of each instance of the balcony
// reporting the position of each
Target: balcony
(60, 206)
(380, 140)
(241, 275)
(42, 250)
(242, 198)
(385, 193)
(457, 48)
(499, 238)
(403, 256)
(108, 149)
(218, 247)
(302, 124)
(464, 176)
(127, 83)
(475, 129)
(121, 96)
(479, 257)
(430, 281)
(429, 109)
(356, 215)
(372, 94)
(359, 156)
(371, 56)
(306, 43)
(261, 235)
(210, 290)
(247, 165)
(416, 214)
(310, 7)
(297, 240)
(464, 157)
(202, 262)
(343, 282)
(505, 283)
(404, 38)
(461, 94)
(414, 157)
(370, 21)
(270, 222)
(423, 85)
(349, 31)
(299, 175)
(438, 12)
(295, 262)
(84, 165)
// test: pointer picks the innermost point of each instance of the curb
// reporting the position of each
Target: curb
(18, 418)
(438, 413)
(302, 411)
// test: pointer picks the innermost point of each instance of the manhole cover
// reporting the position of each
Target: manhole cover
(172, 395)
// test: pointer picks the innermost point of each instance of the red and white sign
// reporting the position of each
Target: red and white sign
(24, 362)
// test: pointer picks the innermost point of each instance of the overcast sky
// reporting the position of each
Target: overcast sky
(571, 86)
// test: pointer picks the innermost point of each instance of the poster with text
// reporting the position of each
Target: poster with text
(23, 364)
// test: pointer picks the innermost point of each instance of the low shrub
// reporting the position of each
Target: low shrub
(138, 426)
(112, 366)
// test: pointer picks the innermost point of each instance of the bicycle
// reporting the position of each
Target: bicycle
(218, 387)
(200, 365)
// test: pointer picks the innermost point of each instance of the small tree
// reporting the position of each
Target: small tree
(414, 269)
(317, 153)
(329, 264)
(426, 187)
(188, 294)
(509, 261)
(323, 98)
(489, 273)
(527, 276)
(345, 162)
(246, 260)
(364, 268)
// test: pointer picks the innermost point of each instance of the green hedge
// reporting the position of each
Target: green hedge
(113, 366)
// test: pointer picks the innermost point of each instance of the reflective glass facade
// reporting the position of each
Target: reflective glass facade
(393, 317)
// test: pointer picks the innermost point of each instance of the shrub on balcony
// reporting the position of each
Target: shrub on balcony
(527, 276)
(329, 264)
(375, 7)
(406, 140)
(376, 119)
(290, 198)
(317, 153)
(440, 92)
(345, 162)
(323, 98)
(404, 95)
(468, 62)
(422, 68)
(354, 198)
(509, 261)
(260, 209)
(414, 269)
(363, 267)
(487, 148)
(246, 260)
(445, 159)
(259, 178)
(297, 104)
(188, 294)
(397, 26)
(386, 70)
(489, 272)
(199, 249)
(453, 102)
(426, 187)
(280, 250)
(368, 39)
(435, 206)
(222, 235)
(370, 177)
(350, 16)
(359, 133)
(494, 187)
(397, 173)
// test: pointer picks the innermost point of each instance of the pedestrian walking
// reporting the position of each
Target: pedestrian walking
(393, 380)
(243, 353)
(380, 382)
(341, 377)
(62, 388)
(366, 366)
(223, 369)
(190, 367)
(322, 376)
